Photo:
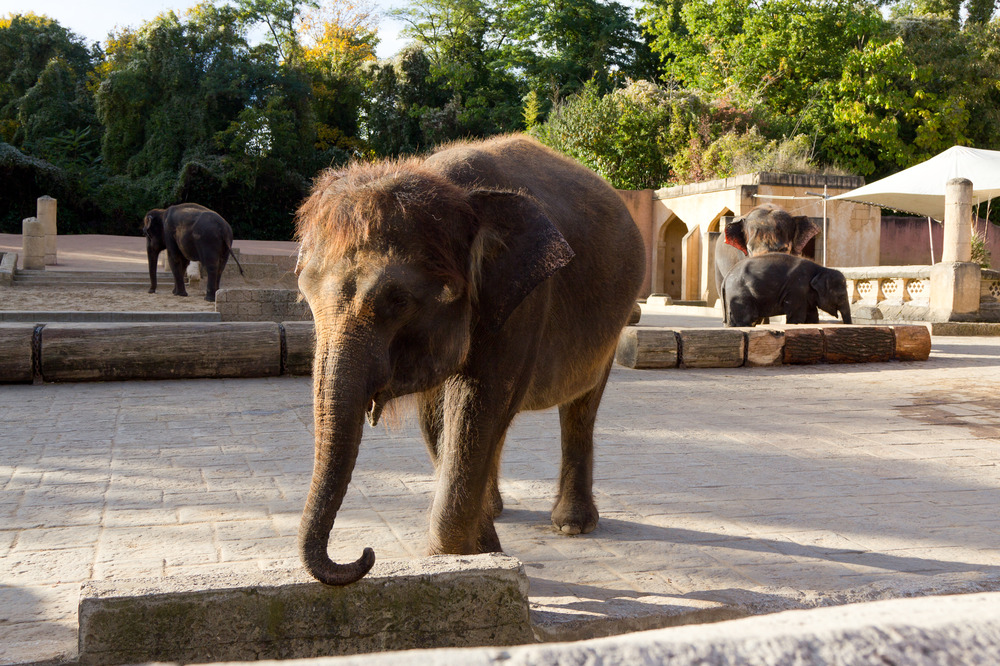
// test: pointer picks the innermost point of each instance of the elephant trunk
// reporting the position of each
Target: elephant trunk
(341, 399)
(845, 312)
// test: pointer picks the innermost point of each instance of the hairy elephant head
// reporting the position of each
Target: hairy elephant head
(831, 294)
(403, 270)
(769, 228)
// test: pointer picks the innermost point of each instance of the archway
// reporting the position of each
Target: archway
(668, 258)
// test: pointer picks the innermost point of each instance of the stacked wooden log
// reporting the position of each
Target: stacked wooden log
(108, 352)
(655, 347)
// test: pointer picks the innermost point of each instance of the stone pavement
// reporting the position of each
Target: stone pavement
(722, 492)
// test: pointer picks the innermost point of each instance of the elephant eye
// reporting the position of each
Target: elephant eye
(395, 302)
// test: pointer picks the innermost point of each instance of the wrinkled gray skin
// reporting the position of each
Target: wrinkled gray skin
(774, 284)
(188, 232)
(530, 322)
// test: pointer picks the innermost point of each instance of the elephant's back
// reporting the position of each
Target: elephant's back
(592, 297)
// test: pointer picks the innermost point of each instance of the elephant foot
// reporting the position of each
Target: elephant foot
(210, 298)
(575, 517)
(180, 293)
(151, 291)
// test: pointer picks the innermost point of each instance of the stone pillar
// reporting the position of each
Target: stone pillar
(32, 244)
(957, 244)
(47, 216)
(955, 281)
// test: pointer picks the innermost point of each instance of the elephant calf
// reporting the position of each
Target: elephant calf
(774, 284)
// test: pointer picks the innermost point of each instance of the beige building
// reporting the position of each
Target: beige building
(681, 225)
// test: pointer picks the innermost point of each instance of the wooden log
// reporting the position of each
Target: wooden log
(913, 342)
(636, 315)
(711, 347)
(647, 347)
(98, 352)
(858, 344)
(300, 347)
(765, 347)
(15, 353)
(803, 344)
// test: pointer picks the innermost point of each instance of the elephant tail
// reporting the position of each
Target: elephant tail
(231, 254)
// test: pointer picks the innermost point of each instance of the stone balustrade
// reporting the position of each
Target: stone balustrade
(905, 285)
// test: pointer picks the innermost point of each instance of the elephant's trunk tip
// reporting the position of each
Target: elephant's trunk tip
(328, 572)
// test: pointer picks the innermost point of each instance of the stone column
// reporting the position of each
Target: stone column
(32, 244)
(47, 216)
(955, 280)
(957, 220)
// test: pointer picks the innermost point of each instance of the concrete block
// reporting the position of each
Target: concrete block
(15, 353)
(102, 352)
(955, 288)
(33, 244)
(644, 347)
(444, 601)
(711, 348)
(765, 347)
(8, 264)
(300, 346)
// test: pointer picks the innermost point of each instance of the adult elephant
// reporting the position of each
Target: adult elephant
(779, 284)
(766, 228)
(188, 232)
(488, 278)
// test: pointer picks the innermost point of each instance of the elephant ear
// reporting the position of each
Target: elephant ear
(516, 249)
(805, 229)
(736, 234)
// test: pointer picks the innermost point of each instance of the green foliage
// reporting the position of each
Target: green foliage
(629, 136)
(980, 250)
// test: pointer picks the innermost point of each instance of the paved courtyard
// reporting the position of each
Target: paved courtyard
(722, 492)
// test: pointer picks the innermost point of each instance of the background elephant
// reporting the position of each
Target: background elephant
(188, 232)
(766, 228)
(774, 284)
(488, 278)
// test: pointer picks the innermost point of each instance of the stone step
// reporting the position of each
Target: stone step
(92, 276)
(40, 317)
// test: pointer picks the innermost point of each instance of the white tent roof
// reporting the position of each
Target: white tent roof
(920, 189)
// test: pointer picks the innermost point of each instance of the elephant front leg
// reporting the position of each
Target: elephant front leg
(178, 266)
(211, 282)
(575, 511)
(468, 450)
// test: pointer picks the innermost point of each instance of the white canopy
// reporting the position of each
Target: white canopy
(920, 189)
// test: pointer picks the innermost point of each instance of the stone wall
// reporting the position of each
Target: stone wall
(261, 305)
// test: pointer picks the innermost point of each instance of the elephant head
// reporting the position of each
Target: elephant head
(769, 228)
(152, 229)
(831, 294)
(403, 271)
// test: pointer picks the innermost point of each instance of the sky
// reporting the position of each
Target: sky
(93, 19)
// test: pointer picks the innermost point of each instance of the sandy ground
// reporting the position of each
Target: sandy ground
(117, 299)
(121, 254)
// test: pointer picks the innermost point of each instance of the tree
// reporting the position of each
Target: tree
(43, 73)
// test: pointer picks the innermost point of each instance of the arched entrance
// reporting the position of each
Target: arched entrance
(668, 259)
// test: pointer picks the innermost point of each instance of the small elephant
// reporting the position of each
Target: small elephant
(188, 232)
(777, 283)
(488, 278)
(766, 228)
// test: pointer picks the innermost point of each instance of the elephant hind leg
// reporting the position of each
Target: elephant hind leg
(178, 266)
(575, 511)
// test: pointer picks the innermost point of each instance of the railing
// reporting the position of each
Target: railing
(906, 285)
